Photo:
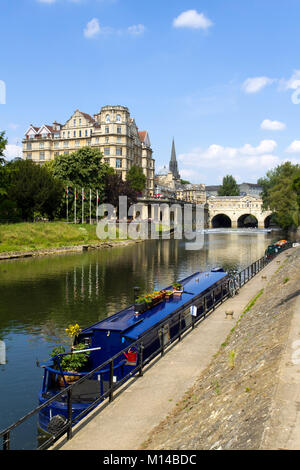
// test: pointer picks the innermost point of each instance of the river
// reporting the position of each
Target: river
(40, 297)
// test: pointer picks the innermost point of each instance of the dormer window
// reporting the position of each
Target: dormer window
(107, 118)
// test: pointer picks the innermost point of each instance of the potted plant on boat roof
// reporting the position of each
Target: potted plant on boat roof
(72, 362)
(177, 288)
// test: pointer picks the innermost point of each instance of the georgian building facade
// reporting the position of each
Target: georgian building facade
(113, 131)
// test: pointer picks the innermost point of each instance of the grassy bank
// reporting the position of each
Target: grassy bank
(40, 236)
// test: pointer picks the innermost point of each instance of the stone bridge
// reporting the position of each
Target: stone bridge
(237, 212)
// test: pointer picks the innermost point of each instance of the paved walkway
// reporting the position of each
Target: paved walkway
(126, 422)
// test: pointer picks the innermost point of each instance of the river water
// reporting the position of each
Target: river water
(40, 297)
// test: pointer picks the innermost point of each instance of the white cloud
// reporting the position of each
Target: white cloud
(136, 29)
(12, 151)
(192, 19)
(294, 147)
(256, 84)
(92, 29)
(231, 159)
(293, 83)
(269, 125)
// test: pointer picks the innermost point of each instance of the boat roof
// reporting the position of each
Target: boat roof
(132, 326)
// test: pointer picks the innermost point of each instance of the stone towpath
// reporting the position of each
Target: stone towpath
(127, 421)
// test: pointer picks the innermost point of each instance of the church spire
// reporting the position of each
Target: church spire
(173, 162)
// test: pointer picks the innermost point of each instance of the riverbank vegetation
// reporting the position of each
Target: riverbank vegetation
(281, 194)
(39, 236)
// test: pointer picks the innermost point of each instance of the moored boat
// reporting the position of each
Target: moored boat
(115, 342)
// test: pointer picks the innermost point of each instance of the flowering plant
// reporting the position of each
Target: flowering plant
(73, 330)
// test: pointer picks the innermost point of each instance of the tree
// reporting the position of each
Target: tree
(116, 187)
(136, 178)
(82, 169)
(229, 187)
(281, 194)
(33, 189)
(3, 143)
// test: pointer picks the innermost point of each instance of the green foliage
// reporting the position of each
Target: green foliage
(29, 189)
(82, 169)
(3, 143)
(136, 178)
(116, 187)
(229, 187)
(281, 194)
(71, 362)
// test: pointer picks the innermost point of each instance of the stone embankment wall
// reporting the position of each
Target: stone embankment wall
(230, 405)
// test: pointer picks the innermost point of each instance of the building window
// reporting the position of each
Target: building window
(118, 118)
(106, 160)
(107, 130)
(119, 130)
(56, 154)
(42, 155)
(56, 145)
(69, 134)
(106, 150)
(107, 118)
(91, 132)
(66, 152)
(74, 134)
(119, 151)
(41, 145)
(89, 142)
(85, 133)
(29, 156)
(77, 143)
(74, 122)
(79, 133)
(80, 122)
(29, 146)
(97, 140)
(106, 140)
(118, 162)
(119, 139)
(66, 144)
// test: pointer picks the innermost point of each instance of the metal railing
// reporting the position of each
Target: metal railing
(180, 322)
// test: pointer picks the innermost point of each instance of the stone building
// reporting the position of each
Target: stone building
(113, 131)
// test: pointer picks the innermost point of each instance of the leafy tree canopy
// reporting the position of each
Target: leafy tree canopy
(229, 187)
(281, 194)
(136, 178)
(33, 189)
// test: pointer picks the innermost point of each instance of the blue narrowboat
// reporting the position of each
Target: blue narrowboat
(117, 336)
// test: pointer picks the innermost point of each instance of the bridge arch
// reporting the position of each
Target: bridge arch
(267, 221)
(248, 221)
(221, 221)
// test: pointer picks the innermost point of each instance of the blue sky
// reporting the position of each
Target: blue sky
(220, 76)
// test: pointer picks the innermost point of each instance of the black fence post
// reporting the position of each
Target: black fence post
(6, 441)
(162, 341)
(180, 327)
(111, 381)
(141, 359)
